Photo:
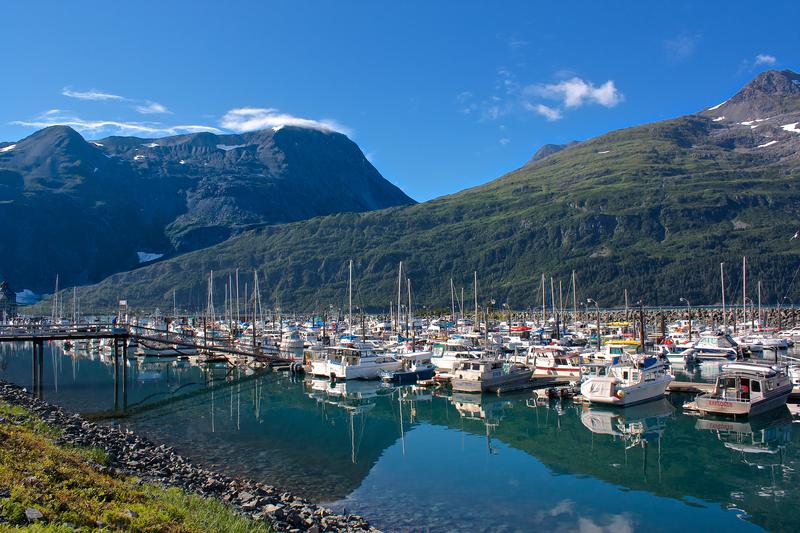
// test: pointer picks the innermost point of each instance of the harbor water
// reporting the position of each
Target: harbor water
(412, 459)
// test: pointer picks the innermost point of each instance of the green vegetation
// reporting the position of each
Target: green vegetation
(71, 490)
(653, 209)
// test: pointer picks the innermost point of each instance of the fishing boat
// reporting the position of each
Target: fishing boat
(416, 366)
(636, 380)
(744, 389)
(489, 375)
(353, 361)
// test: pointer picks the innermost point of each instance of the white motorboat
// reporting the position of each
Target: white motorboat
(639, 379)
(447, 355)
(489, 375)
(551, 362)
(353, 361)
(717, 347)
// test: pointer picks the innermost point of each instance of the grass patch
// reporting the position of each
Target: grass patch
(66, 486)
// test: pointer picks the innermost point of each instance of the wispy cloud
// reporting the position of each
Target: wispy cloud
(510, 97)
(111, 127)
(760, 61)
(151, 108)
(680, 48)
(505, 140)
(91, 94)
(256, 118)
(765, 59)
(550, 113)
(576, 92)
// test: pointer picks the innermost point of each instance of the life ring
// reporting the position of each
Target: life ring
(620, 394)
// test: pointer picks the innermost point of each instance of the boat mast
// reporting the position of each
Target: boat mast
(409, 320)
(238, 318)
(759, 305)
(452, 300)
(544, 303)
(574, 299)
(55, 300)
(475, 289)
(399, 295)
(350, 298)
(724, 314)
(744, 290)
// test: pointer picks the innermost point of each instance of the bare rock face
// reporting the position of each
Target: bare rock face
(770, 93)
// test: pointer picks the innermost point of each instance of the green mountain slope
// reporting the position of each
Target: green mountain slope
(88, 209)
(652, 208)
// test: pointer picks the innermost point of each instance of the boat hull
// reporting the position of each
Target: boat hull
(601, 392)
(492, 384)
(718, 406)
(402, 377)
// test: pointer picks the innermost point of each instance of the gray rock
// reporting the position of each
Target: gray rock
(33, 514)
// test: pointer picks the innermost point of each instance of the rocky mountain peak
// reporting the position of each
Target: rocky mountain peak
(773, 92)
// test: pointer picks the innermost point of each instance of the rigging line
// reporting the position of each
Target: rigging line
(789, 287)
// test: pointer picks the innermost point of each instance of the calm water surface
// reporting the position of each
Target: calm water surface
(410, 459)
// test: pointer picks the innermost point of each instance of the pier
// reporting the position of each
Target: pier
(120, 335)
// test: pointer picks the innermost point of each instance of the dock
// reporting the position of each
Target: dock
(691, 387)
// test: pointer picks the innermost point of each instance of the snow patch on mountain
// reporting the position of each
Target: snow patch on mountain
(791, 127)
(145, 257)
(717, 106)
(229, 147)
(719, 118)
(8, 148)
(770, 143)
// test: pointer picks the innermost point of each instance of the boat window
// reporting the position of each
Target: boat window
(755, 386)
(635, 376)
(625, 375)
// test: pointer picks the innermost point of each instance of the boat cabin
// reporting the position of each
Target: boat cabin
(747, 382)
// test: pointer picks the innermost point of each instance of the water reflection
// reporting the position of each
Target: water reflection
(495, 463)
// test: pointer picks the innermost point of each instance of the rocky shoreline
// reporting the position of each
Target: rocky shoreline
(132, 455)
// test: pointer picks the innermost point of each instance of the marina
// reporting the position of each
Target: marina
(375, 447)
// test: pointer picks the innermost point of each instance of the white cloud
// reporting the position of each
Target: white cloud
(95, 127)
(152, 108)
(576, 92)
(550, 113)
(92, 94)
(765, 59)
(510, 97)
(505, 140)
(255, 118)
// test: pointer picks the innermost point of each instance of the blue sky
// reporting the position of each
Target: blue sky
(441, 96)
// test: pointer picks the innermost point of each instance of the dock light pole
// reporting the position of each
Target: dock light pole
(689, 307)
(597, 308)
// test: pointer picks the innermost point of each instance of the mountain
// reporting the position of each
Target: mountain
(771, 93)
(653, 209)
(86, 210)
(550, 149)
